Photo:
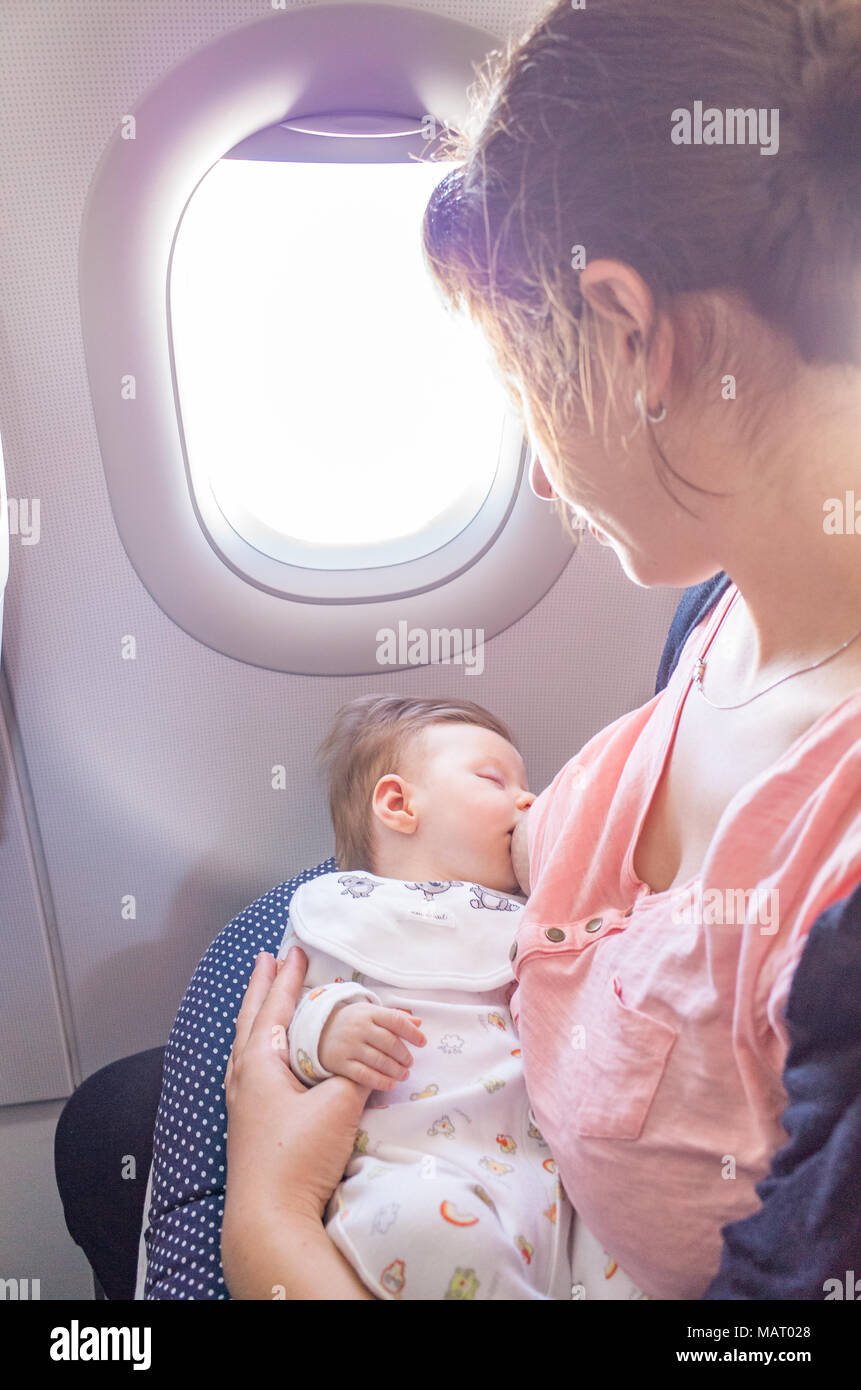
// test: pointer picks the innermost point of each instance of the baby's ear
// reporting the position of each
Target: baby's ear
(520, 855)
(391, 804)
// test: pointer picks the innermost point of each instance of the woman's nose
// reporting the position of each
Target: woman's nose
(539, 481)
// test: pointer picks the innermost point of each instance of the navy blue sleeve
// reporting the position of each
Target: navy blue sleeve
(808, 1228)
(184, 1237)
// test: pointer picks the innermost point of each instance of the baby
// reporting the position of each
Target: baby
(451, 1191)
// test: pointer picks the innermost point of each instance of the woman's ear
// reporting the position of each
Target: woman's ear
(618, 293)
(620, 298)
(539, 482)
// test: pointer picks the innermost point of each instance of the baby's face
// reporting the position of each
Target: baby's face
(470, 790)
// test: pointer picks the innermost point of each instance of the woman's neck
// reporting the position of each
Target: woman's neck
(794, 549)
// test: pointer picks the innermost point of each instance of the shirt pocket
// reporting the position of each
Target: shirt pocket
(622, 1061)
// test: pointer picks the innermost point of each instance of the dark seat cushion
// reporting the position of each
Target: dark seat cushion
(103, 1137)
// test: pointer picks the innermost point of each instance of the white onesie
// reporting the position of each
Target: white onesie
(451, 1192)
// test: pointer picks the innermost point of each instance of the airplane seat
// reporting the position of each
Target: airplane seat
(106, 1126)
(112, 1115)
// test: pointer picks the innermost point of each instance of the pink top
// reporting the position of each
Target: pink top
(652, 1029)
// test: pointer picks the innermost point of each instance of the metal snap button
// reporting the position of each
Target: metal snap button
(595, 925)
(513, 952)
(554, 934)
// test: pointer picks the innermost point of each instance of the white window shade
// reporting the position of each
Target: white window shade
(340, 415)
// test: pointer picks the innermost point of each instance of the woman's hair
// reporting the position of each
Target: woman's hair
(568, 144)
(368, 739)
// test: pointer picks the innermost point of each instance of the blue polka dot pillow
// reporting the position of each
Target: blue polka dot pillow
(183, 1241)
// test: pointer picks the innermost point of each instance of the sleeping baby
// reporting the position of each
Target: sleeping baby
(451, 1191)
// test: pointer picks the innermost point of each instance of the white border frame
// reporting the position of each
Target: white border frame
(289, 64)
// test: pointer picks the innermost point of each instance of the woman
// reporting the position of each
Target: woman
(703, 301)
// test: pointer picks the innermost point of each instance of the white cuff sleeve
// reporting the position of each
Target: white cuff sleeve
(303, 1035)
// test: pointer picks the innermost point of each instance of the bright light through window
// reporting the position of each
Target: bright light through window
(327, 397)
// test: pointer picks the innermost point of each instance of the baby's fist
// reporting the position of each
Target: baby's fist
(363, 1041)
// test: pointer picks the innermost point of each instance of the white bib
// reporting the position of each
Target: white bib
(439, 935)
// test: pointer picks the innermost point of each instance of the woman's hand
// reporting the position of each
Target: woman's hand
(287, 1147)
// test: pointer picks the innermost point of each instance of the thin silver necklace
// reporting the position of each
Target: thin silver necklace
(700, 669)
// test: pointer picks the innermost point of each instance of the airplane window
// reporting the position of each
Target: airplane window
(303, 445)
(340, 415)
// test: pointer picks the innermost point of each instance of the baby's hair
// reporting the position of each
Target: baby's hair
(568, 143)
(368, 738)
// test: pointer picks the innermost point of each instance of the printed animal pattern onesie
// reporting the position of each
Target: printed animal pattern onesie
(451, 1192)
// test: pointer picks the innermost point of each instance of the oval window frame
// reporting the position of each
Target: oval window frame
(294, 66)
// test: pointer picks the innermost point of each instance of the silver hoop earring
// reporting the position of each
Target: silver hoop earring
(644, 414)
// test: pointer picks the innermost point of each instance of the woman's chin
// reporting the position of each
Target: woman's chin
(639, 569)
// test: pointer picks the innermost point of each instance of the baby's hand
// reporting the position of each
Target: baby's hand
(362, 1041)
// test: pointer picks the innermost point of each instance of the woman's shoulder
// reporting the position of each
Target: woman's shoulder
(598, 767)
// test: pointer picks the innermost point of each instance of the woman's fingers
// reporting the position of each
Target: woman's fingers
(262, 976)
(278, 1005)
(265, 972)
(255, 993)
